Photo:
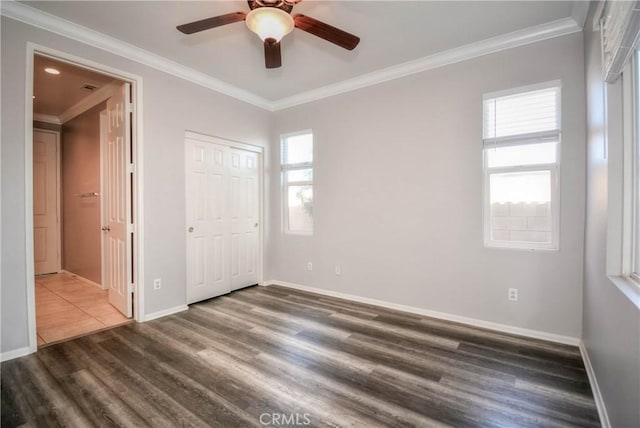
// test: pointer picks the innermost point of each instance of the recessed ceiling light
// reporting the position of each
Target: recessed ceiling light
(51, 70)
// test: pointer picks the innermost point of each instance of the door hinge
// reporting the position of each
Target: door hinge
(130, 168)
(130, 288)
(129, 107)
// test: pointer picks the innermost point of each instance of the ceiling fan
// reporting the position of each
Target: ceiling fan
(271, 20)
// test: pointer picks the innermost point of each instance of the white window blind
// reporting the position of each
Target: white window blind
(620, 29)
(522, 116)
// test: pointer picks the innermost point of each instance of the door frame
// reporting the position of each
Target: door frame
(138, 191)
(58, 191)
(103, 206)
(251, 148)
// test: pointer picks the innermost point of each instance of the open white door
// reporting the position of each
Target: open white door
(46, 226)
(118, 193)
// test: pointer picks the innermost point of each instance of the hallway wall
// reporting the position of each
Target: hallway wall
(81, 234)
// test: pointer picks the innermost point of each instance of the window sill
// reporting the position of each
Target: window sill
(628, 287)
(496, 246)
(290, 233)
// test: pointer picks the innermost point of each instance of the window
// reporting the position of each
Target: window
(622, 123)
(297, 179)
(521, 143)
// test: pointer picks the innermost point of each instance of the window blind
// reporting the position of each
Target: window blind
(526, 116)
(620, 29)
(297, 149)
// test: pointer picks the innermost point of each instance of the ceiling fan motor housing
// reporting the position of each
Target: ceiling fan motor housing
(286, 5)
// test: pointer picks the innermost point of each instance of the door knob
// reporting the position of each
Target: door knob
(190, 229)
(105, 228)
(255, 225)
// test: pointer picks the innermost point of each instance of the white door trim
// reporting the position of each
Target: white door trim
(223, 141)
(138, 206)
(252, 148)
(58, 191)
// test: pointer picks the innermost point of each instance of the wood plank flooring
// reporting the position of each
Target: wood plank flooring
(67, 307)
(276, 357)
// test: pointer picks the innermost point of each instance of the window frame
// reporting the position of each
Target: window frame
(553, 168)
(635, 143)
(284, 184)
(631, 169)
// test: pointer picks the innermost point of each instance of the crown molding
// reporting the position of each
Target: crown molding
(71, 30)
(47, 118)
(63, 27)
(579, 12)
(90, 101)
(522, 37)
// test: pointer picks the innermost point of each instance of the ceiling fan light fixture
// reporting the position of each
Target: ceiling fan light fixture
(270, 23)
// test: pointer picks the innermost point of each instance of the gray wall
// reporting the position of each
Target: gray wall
(81, 217)
(171, 106)
(611, 323)
(398, 194)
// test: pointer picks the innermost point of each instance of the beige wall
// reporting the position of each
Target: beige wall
(81, 234)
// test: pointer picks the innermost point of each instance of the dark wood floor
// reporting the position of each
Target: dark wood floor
(275, 353)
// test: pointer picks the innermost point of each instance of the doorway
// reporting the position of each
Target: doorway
(83, 197)
(223, 208)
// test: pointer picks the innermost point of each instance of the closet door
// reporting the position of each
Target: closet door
(208, 223)
(245, 215)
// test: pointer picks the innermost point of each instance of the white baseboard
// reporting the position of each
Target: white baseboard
(164, 313)
(597, 396)
(83, 279)
(10, 355)
(503, 328)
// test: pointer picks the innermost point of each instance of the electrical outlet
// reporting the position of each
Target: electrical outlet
(513, 294)
(157, 284)
(309, 266)
(338, 270)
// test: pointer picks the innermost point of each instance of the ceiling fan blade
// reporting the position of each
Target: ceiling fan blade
(216, 21)
(326, 31)
(272, 56)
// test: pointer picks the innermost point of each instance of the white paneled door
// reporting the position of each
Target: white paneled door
(46, 226)
(223, 210)
(118, 192)
(244, 201)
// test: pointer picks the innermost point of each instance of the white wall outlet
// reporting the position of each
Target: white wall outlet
(309, 266)
(513, 294)
(338, 270)
(157, 284)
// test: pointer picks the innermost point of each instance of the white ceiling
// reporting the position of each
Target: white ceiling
(56, 93)
(391, 32)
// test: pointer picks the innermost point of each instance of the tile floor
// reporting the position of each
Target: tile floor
(67, 307)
